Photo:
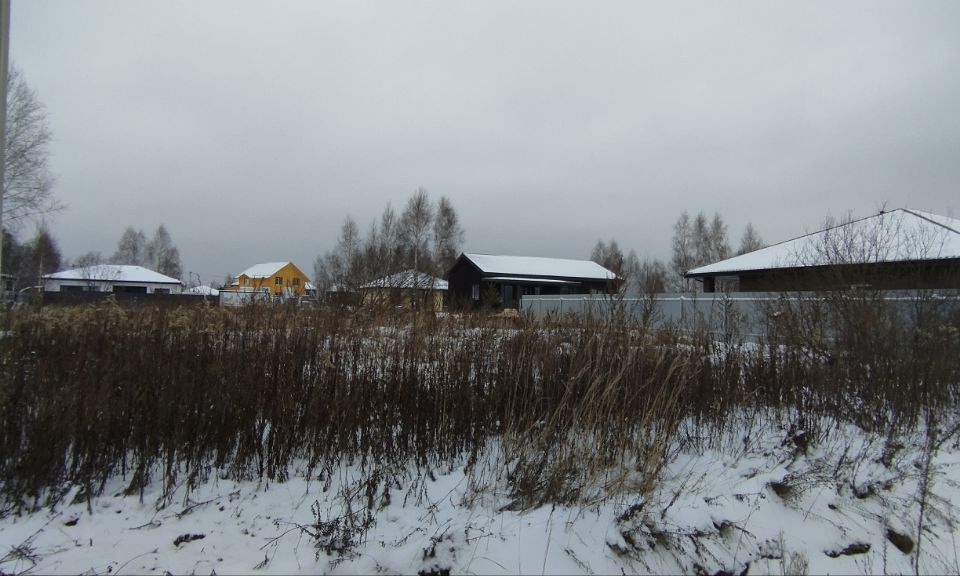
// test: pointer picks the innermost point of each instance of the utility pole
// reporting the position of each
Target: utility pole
(4, 59)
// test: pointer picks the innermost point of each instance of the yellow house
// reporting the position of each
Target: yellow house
(273, 278)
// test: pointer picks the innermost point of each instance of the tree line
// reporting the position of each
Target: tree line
(425, 237)
(696, 242)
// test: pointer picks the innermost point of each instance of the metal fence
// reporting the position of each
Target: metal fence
(746, 314)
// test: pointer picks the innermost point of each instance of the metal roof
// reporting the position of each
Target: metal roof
(113, 273)
(541, 267)
(408, 279)
(900, 235)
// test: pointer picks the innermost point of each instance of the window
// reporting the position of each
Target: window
(278, 281)
(475, 292)
(296, 281)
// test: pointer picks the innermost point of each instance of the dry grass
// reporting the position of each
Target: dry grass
(91, 392)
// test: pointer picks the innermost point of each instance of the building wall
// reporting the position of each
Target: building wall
(460, 281)
(292, 282)
(404, 297)
(95, 285)
(944, 274)
(464, 277)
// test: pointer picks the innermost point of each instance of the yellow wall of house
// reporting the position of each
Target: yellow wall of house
(291, 278)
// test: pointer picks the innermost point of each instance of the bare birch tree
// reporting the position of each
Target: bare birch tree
(27, 181)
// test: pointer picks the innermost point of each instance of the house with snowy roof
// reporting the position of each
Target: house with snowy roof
(409, 289)
(271, 279)
(500, 281)
(901, 249)
(115, 278)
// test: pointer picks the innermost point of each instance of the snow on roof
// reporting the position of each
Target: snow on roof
(264, 270)
(528, 279)
(113, 273)
(536, 266)
(203, 290)
(897, 236)
(409, 279)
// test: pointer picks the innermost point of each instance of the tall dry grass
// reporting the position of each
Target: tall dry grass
(172, 395)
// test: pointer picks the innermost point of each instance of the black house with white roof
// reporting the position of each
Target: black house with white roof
(500, 281)
(901, 249)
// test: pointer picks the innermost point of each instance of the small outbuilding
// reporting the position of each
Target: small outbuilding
(897, 250)
(409, 289)
(477, 280)
(114, 278)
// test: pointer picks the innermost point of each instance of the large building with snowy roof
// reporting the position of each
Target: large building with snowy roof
(500, 281)
(897, 250)
(115, 278)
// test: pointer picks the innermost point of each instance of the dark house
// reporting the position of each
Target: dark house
(499, 281)
(897, 250)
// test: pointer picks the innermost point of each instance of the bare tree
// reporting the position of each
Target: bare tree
(341, 268)
(682, 258)
(27, 181)
(651, 277)
(415, 227)
(162, 255)
(41, 256)
(701, 240)
(750, 241)
(131, 249)
(718, 247)
(448, 236)
(610, 257)
(87, 259)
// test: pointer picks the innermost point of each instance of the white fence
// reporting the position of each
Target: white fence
(745, 314)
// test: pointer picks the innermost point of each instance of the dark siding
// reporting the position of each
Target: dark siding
(886, 276)
(461, 279)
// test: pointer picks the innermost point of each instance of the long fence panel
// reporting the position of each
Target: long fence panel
(745, 314)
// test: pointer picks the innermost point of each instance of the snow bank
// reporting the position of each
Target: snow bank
(765, 501)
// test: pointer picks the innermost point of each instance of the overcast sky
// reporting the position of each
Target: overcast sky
(251, 129)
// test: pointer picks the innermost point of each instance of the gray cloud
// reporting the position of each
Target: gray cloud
(251, 130)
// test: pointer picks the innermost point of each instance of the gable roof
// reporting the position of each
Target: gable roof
(113, 273)
(537, 266)
(203, 290)
(900, 235)
(264, 270)
(408, 279)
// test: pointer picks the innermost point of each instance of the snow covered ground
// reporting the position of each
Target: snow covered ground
(847, 504)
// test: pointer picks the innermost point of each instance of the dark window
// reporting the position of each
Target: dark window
(72, 288)
(296, 281)
(161, 290)
(278, 281)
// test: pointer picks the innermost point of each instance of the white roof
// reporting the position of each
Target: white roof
(408, 279)
(113, 273)
(203, 290)
(264, 270)
(897, 236)
(528, 279)
(535, 266)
